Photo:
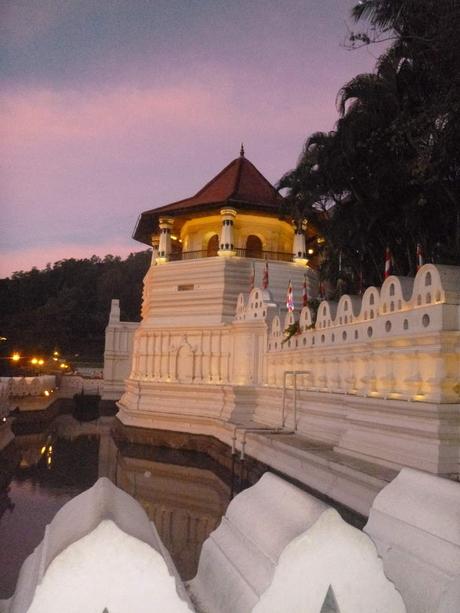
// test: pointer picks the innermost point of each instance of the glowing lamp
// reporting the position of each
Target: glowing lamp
(15, 357)
(34, 361)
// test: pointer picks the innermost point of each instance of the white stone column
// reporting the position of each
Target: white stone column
(164, 248)
(155, 248)
(299, 248)
(227, 237)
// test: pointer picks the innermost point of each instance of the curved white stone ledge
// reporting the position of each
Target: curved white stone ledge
(415, 524)
(331, 567)
(75, 521)
(276, 549)
(280, 549)
(238, 559)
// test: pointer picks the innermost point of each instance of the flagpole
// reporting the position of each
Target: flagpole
(304, 292)
(253, 278)
(265, 278)
(290, 298)
(419, 256)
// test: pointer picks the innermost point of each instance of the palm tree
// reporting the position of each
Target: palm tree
(389, 174)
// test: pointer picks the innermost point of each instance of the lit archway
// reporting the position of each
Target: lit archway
(213, 246)
(253, 247)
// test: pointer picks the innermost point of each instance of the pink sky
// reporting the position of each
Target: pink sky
(109, 110)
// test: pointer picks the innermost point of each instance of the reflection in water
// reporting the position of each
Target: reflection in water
(51, 471)
(184, 502)
(179, 490)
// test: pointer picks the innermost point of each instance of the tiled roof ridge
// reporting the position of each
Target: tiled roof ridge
(234, 188)
(214, 180)
(238, 176)
(260, 176)
(200, 191)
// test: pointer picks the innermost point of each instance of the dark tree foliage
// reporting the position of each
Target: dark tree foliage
(389, 173)
(67, 305)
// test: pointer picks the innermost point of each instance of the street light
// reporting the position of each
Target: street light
(15, 357)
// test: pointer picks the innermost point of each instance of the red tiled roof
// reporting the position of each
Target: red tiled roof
(239, 184)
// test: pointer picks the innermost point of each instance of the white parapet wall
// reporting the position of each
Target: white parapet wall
(280, 549)
(396, 343)
(383, 372)
(415, 524)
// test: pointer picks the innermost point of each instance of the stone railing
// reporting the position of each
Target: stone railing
(278, 256)
(400, 342)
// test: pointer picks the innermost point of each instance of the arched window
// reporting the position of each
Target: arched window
(213, 246)
(253, 247)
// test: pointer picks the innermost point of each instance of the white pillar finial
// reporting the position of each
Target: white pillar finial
(299, 248)
(114, 316)
(155, 248)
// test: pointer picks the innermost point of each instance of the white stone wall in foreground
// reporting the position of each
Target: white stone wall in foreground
(276, 549)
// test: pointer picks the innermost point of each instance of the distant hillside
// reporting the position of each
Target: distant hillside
(66, 305)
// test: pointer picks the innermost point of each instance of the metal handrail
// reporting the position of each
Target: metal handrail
(295, 374)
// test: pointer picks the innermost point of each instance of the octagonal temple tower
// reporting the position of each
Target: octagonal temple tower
(193, 358)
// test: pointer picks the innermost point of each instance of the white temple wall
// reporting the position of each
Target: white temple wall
(118, 352)
(204, 292)
(249, 340)
(382, 371)
(393, 361)
(182, 354)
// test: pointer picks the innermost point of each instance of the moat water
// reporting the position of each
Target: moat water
(184, 493)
